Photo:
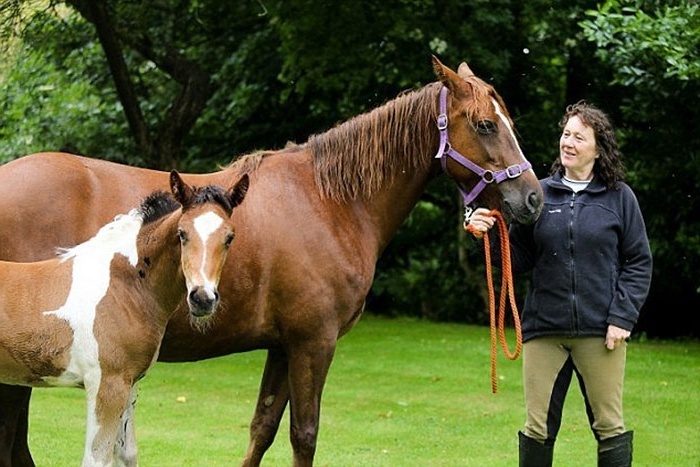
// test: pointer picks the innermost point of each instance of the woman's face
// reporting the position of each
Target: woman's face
(577, 149)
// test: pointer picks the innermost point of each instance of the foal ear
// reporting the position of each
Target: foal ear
(182, 192)
(238, 191)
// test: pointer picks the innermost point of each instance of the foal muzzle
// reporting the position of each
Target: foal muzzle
(202, 301)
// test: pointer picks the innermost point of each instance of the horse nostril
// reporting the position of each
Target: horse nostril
(534, 202)
(195, 299)
(203, 303)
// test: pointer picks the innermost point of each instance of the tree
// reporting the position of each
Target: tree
(652, 52)
(190, 84)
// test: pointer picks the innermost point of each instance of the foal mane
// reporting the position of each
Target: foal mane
(156, 205)
(161, 203)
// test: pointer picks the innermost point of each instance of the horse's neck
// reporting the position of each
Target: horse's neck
(390, 206)
(159, 262)
(381, 160)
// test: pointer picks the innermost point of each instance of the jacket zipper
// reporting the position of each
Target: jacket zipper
(574, 307)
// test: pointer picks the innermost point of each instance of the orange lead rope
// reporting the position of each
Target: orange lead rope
(506, 288)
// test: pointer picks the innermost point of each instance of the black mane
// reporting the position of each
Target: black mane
(160, 203)
(212, 194)
(157, 205)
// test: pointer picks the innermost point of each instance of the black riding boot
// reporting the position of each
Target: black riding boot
(533, 453)
(616, 451)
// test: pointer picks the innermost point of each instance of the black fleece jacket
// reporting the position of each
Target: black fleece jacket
(590, 261)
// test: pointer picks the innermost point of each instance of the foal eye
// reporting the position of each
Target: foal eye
(182, 235)
(486, 127)
(229, 239)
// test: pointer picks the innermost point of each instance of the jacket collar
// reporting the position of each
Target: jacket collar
(595, 186)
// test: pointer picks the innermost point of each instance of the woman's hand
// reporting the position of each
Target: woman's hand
(480, 222)
(615, 337)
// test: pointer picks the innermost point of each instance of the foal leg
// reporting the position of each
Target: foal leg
(272, 400)
(14, 412)
(125, 450)
(107, 399)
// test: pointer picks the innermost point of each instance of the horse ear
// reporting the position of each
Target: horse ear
(237, 192)
(182, 192)
(444, 74)
(439, 68)
(464, 71)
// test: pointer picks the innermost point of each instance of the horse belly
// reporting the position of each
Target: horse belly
(37, 359)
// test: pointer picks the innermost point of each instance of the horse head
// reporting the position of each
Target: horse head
(479, 149)
(205, 231)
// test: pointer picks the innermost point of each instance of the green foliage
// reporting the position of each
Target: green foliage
(420, 274)
(282, 71)
(652, 53)
(647, 48)
(47, 106)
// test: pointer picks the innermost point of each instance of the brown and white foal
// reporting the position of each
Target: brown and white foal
(94, 317)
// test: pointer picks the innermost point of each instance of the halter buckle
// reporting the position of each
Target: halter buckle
(442, 122)
(514, 171)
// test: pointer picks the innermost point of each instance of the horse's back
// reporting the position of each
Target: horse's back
(50, 200)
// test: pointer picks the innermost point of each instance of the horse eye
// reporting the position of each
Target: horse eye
(182, 235)
(229, 239)
(486, 127)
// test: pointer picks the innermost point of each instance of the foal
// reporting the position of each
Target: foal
(94, 318)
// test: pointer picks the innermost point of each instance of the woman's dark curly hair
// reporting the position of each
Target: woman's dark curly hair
(609, 166)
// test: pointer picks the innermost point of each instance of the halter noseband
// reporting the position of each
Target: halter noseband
(486, 176)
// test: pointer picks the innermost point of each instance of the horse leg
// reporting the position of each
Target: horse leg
(308, 367)
(107, 399)
(14, 413)
(272, 400)
(125, 450)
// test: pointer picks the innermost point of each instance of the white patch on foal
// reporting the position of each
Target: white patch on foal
(90, 281)
(205, 225)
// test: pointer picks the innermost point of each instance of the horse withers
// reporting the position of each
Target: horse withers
(314, 223)
(94, 317)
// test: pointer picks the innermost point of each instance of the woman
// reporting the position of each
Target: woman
(591, 266)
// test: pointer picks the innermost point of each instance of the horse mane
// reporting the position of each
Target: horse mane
(212, 194)
(356, 158)
(161, 203)
(156, 205)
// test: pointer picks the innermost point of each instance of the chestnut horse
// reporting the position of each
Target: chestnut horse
(94, 318)
(315, 221)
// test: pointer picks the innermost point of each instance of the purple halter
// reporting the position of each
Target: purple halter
(487, 176)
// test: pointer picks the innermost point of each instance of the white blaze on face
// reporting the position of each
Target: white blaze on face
(503, 118)
(205, 225)
(90, 281)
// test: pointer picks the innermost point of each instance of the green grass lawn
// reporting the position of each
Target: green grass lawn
(400, 393)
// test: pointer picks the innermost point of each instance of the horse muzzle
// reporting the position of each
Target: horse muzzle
(202, 301)
(524, 211)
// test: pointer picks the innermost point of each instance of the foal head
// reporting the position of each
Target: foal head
(205, 231)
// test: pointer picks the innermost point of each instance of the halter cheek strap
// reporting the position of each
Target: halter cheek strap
(485, 176)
